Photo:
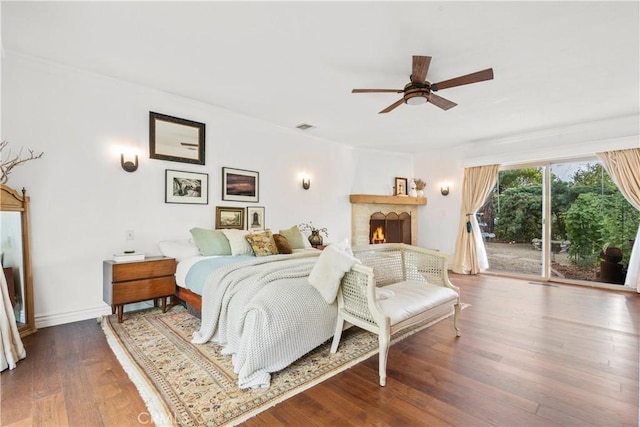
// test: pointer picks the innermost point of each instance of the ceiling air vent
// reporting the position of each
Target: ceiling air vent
(304, 126)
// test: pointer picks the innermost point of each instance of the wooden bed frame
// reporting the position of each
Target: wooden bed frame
(191, 298)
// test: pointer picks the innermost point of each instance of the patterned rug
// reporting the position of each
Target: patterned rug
(192, 385)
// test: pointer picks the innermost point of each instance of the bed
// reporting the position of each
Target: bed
(262, 310)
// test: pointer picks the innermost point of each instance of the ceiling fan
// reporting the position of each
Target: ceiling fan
(419, 91)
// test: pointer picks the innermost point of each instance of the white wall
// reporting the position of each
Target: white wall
(82, 202)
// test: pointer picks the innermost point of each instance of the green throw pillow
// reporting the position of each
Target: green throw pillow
(294, 236)
(210, 242)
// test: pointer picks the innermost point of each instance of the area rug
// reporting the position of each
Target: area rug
(193, 385)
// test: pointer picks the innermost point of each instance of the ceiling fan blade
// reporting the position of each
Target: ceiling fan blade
(420, 68)
(392, 106)
(440, 102)
(376, 90)
(478, 76)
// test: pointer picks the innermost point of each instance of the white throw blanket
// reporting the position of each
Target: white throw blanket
(334, 262)
(265, 314)
(11, 348)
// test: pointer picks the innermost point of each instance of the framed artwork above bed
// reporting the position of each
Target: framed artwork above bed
(255, 218)
(227, 217)
(186, 187)
(175, 139)
(240, 185)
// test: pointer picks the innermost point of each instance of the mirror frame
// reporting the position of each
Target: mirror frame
(12, 201)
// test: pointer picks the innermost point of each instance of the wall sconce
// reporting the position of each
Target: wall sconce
(129, 166)
(444, 189)
(306, 182)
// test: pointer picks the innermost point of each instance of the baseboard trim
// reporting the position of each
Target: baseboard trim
(47, 320)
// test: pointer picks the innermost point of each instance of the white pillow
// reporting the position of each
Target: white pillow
(238, 242)
(326, 275)
(178, 249)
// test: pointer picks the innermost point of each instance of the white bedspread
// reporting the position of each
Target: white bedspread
(265, 314)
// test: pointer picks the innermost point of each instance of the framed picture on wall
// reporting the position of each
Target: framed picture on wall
(240, 185)
(255, 218)
(175, 139)
(186, 187)
(400, 188)
(227, 217)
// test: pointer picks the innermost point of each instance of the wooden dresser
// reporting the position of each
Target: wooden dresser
(129, 282)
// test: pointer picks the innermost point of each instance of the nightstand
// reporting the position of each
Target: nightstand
(128, 282)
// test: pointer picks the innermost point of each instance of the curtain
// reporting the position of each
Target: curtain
(624, 168)
(470, 255)
(11, 348)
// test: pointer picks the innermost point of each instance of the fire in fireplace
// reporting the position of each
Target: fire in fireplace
(390, 228)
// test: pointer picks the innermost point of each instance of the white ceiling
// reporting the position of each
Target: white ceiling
(556, 64)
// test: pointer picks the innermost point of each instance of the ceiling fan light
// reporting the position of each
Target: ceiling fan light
(416, 100)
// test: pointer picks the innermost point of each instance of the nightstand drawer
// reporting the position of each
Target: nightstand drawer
(140, 290)
(123, 272)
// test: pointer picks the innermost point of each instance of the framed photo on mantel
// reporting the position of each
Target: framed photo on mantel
(400, 188)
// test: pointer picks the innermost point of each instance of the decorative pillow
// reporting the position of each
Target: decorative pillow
(294, 236)
(238, 242)
(282, 244)
(210, 242)
(178, 249)
(262, 243)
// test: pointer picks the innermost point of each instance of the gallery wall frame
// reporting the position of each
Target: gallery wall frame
(229, 217)
(239, 185)
(255, 218)
(175, 139)
(186, 187)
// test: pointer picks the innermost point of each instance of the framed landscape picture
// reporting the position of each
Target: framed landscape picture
(255, 218)
(227, 217)
(186, 187)
(175, 139)
(240, 185)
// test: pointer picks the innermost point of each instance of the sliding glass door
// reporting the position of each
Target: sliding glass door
(512, 222)
(563, 221)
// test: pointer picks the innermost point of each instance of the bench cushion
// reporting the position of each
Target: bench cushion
(412, 297)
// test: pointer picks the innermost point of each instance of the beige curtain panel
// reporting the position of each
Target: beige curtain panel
(470, 255)
(11, 348)
(624, 168)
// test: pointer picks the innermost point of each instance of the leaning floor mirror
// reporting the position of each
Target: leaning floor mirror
(16, 256)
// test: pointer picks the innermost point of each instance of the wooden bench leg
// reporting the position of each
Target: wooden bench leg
(383, 341)
(456, 312)
(337, 334)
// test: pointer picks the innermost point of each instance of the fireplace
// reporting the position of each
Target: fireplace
(390, 228)
(364, 206)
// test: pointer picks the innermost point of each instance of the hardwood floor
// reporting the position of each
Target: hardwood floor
(530, 354)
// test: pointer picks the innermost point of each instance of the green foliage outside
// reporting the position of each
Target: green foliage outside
(587, 210)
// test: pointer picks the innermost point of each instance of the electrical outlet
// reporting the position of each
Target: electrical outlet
(129, 235)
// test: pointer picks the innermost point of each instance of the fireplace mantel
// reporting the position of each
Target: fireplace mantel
(386, 200)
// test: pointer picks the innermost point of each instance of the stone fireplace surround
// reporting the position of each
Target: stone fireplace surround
(364, 205)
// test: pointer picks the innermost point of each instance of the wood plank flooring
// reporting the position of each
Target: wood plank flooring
(531, 354)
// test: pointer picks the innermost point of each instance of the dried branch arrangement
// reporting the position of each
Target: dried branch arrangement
(7, 163)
